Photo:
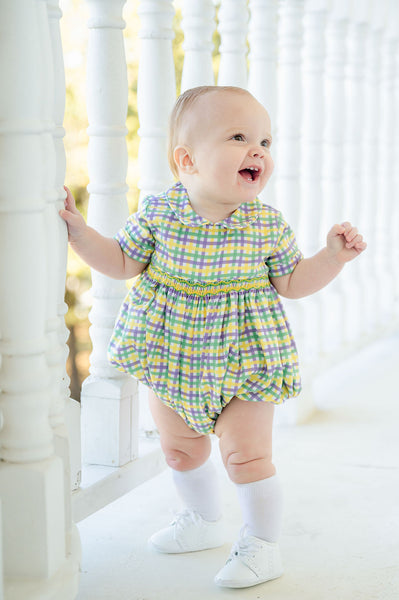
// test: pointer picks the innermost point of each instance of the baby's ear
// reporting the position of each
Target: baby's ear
(183, 159)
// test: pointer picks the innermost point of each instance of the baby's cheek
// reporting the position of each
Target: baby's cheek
(269, 166)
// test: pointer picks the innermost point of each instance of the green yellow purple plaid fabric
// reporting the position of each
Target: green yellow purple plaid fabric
(203, 323)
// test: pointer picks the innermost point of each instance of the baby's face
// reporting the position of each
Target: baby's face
(230, 137)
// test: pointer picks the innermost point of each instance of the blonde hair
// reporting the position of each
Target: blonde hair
(182, 106)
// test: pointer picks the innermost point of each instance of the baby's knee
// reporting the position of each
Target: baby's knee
(180, 461)
(246, 462)
(187, 456)
(241, 469)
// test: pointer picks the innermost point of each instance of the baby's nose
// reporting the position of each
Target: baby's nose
(257, 151)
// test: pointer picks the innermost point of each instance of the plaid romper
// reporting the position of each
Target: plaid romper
(202, 323)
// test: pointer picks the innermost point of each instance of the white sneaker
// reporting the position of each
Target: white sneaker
(252, 561)
(189, 532)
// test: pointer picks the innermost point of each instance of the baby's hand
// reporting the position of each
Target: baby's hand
(72, 217)
(345, 243)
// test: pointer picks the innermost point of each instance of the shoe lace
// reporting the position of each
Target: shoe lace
(245, 546)
(184, 517)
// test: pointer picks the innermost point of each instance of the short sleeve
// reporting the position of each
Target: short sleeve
(285, 254)
(136, 238)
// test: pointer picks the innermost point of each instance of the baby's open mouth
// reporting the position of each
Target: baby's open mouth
(250, 173)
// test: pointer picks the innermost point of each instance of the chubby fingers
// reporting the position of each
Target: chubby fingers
(69, 201)
(353, 238)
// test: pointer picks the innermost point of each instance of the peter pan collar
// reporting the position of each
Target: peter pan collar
(179, 203)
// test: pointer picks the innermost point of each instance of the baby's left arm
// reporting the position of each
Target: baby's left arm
(344, 243)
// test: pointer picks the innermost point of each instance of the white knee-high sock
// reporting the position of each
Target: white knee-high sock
(199, 489)
(261, 506)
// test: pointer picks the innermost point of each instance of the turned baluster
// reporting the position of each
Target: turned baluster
(156, 93)
(288, 156)
(332, 298)
(233, 28)
(395, 175)
(370, 161)
(109, 403)
(289, 109)
(262, 77)
(310, 234)
(385, 173)
(31, 476)
(198, 25)
(353, 163)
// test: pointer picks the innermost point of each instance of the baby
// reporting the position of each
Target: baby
(203, 325)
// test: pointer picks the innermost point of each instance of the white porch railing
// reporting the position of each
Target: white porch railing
(328, 72)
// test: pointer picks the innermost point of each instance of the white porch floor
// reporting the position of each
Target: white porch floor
(341, 530)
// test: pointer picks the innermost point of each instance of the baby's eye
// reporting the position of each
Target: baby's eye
(266, 143)
(238, 137)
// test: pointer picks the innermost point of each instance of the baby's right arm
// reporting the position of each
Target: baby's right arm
(100, 253)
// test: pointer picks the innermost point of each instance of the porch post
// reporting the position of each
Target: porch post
(198, 25)
(352, 168)
(371, 161)
(332, 298)
(310, 233)
(36, 565)
(395, 182)
(288, 162)
(289, 111)
(109, 398)
(386, 169)
(56, 236)
(233, 28)
(262, 77)
(156, 93)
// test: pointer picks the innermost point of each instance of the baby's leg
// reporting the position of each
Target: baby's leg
(245, 432)
(187, 453)
(183, 447)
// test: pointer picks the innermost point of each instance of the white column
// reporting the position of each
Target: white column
(289, 113)
(387, 194)
(354, 130)
(109, 398)
(395, 215)
(332, 298)
(288, 153)
(233, 28)
(310, 234)
(31, 476)
(262, 79)
(262, 38)
(369, 263)
(335, 119)
(313, 120)
(198, 25)
(57, 200)
(156, 93)
(57, 332)
(386, 168)
(353, 164)
(56, 236)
